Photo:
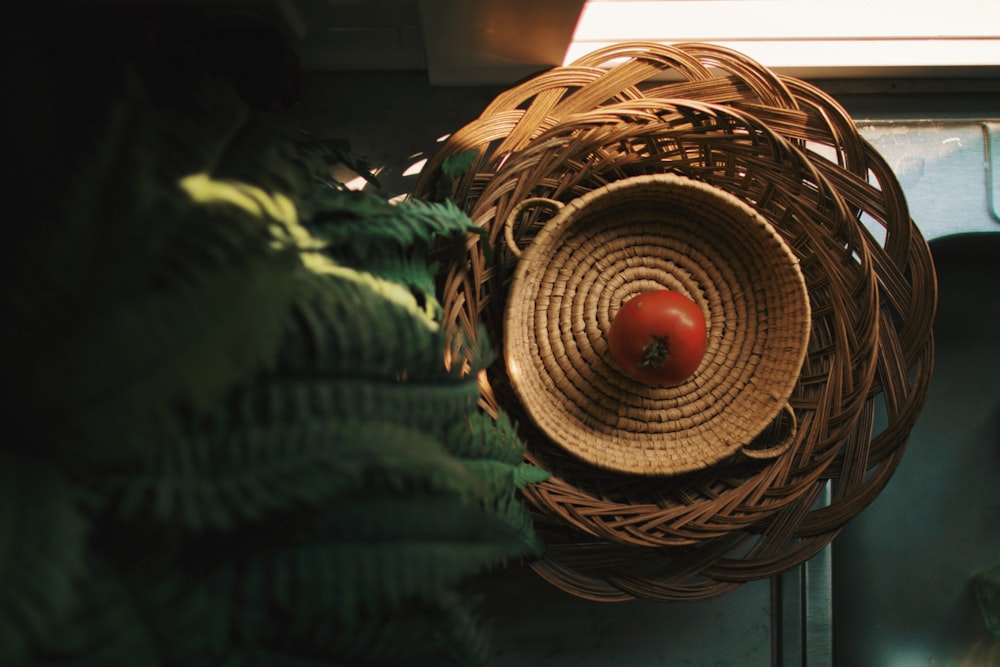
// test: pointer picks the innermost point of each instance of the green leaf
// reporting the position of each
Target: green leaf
(230, 473)
(361, 225)
(459, 163)
(338, 151)
(43, 533)
(462, 634)
(268, 153)
(479, 436)
(453, 167)
(305, 480)
(527, 474)
(424, 310)
(424, 633)
(501, 502)
(258, 202)
(356, 325)
(370, 556)
(132, 614)
(114, 389)
(418, 517)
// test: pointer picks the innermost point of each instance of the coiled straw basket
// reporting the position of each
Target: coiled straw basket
(790, 154)
(643, 234)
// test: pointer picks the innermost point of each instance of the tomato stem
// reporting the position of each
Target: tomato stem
(655, 352)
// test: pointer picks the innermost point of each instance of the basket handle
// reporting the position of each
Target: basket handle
(763, 447)
(508, 227)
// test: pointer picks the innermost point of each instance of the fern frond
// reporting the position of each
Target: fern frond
(463, 636)
(444, 630)
(363, 225)
(400, 295)
(510, 510)
(277, 657)
(322, 154)
(132, 614)
(267, 357)
(231, 473)
(43, 533)
(479, 436)
(389, 242)
(341, 572)
(481, 439)
(115, 387)
(452, 169)
(527, 474)
(423, 633)
(409, 268)
(122, 200)
(428, 405)
(355, 325)
(268, 153)
(424, 405)
(417, 518)
(105, 631)
(258, 202)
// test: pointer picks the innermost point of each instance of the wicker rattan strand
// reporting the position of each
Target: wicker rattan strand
(791, 153)
(643, 234)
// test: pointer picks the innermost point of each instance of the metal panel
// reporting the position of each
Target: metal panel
(942, 166)
(802, 611)
(903, 567)
(991, 134)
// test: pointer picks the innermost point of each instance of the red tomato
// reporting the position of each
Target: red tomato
(658, 338)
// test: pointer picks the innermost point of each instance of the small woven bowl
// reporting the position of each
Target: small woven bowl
(794, 154)
(637, 235)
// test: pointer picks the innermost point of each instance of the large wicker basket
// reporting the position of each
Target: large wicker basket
(791, 154)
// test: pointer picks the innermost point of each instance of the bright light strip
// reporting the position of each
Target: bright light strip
(807, 34)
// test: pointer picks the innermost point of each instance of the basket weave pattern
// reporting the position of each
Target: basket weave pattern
(644, 234)
(794, 156)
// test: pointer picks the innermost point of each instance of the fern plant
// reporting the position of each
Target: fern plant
(240, 444)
